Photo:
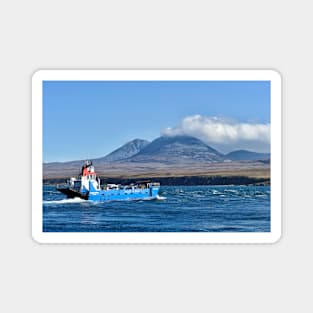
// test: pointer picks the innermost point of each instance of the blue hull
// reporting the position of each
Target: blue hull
(119, 195)
(114, 195)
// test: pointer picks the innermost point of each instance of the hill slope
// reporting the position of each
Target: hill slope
(126, 151)
(239, 155)
(177, 149)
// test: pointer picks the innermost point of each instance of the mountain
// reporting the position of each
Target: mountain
(177, 149)
(165, 156)
(240, 155)
(126, 151)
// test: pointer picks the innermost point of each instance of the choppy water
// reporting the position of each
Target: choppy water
(178, 209)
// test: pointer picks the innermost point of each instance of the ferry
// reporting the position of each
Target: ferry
(88, 186)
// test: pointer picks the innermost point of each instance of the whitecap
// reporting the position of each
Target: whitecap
(216, 192)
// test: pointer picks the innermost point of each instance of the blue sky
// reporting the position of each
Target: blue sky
(89, 119)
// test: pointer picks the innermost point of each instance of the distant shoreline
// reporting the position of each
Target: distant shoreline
(180, 180)
(184, 174)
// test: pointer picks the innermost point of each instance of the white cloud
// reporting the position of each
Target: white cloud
(224, 134)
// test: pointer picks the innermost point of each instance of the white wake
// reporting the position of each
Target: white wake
(160, 197)
(65, 201)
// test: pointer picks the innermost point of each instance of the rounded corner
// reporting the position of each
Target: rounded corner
(35, 239)
(277, 238)
(37, 74)
(276, 74)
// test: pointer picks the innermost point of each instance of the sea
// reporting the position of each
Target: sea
(177, 209)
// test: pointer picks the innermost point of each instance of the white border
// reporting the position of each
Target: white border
(183, 237)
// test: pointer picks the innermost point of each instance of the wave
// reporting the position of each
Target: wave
(216, 192)
(160, 197)
(151, 198)
(231, 191)
(49, 192)
(65, 201)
